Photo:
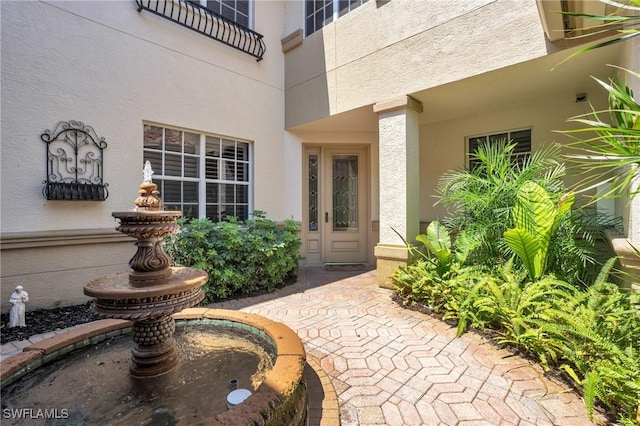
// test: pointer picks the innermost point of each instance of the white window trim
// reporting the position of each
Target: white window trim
(336, 15)
(202, 179)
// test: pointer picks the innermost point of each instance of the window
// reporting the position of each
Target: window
(522, 139)
(234, 10)
(319, 13)
(203, 175)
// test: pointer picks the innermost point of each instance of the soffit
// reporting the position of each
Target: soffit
(531, 82)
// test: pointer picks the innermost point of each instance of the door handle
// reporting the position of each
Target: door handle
(326, 217)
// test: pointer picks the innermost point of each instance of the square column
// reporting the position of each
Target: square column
(399, 169)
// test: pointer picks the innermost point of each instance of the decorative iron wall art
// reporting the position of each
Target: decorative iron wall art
(75, 164)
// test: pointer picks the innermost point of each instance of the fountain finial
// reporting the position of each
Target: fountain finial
(147, 172)
(148, 198)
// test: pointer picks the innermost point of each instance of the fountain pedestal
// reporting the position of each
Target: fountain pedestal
(153, 291)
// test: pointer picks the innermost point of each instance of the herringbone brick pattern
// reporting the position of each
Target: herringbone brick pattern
(393, 366)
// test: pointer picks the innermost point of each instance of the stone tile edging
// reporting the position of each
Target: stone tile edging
(280, 399)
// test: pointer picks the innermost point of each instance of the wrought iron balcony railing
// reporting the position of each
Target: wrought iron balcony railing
(207, 22)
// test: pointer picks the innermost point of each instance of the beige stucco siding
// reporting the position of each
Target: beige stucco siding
(381, 51)
(107, 65)
(112, 68)
(443, 148)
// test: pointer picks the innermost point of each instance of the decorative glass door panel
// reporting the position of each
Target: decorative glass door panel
(345, 192)
(344, 186)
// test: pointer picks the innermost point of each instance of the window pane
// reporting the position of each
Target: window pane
(522, 138)
(228, 149)
(242, 194)
(498, 138)
(318, 22)
(152, 137)
(190, 211)
(172, 165)
(214, 5)
(313, 192)
(243, 6)
(173, 140)
(212, 192)
(212, 169)
(155, 158)
(242, 20)
(228, 12)
(242, 171)
(172, 191)
(191, 143)
(212, 147)
(190, 192)
(190, 166)
(328, 13)
(310, 25)
(242, 212)
(229, 193)
(242, 151)
(212, 213)
(226, 211)
(228, 170)
(345, 192)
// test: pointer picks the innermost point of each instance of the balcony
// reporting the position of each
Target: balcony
(206, 22)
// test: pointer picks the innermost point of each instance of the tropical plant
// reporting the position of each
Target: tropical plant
(536, 218)
(607, 150)
(437, 241)
(481, 198)
(625, 20)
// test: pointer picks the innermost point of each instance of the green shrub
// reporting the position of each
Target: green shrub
(240, 256)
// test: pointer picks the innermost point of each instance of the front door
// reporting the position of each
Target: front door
(344, 208)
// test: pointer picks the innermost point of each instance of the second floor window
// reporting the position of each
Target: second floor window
(234, 10)
(319, 13)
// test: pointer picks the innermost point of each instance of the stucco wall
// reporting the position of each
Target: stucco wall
(111, 67)
(107, 65)
(363, 57)
(442, 146)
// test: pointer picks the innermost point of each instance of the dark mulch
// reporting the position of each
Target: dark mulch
(41, 321)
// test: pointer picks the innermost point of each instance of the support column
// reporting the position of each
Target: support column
(399, 174)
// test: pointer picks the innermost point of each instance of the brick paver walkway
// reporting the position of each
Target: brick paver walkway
(392, 366)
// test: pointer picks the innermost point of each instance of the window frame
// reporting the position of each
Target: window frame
(498, 136)
(219, 11)
(201, 178)
(336, 12)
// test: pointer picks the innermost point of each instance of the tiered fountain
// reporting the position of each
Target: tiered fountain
(153, 290)
(79, 371)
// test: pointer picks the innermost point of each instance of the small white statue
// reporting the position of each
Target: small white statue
(18, 301)
(147, 172)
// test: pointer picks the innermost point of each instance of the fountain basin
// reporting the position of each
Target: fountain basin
(281, 399)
